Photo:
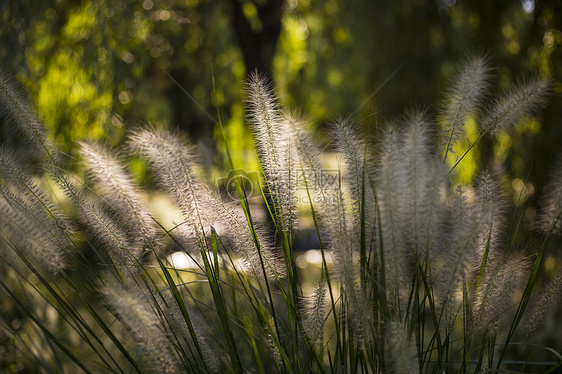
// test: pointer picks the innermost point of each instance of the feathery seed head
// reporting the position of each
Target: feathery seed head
(36, 223)
(342, 241)
(30, 235)
(390, 190)
(102, 225)
(463, 99)
(263, 114)
(448, 265)
(19, 176)
(175, 166)
(519, 100)
(262, 108)
(417, 135)
(490, 205)
(351, 146)
(132, 307)
(104, 228)
(117, 188)
(352, 230)
(401, 349)
(15, 107)
(244, 243)
(178, 327)
(550, 216)
(307, 151)
(545, 304)
(326, 197)
(360, 180)
(494, 302)
(315, 313)
(275, 147)
(423, 181)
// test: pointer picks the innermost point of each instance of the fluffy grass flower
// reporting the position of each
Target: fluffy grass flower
(116, 187)
(463, 99)
(550, 215)
(275, 149)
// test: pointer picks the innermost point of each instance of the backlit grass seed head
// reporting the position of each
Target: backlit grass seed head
(390, 192)
(339, 225)
(116, 187)
(315, 313)
(401, 349)
(346, 267)
(275, 149)
(307, 163)
(176, 170)
(463, 99)
(359, 178)
(546, 303)
(18, 175)
(425, 226)
(448, 267)
(337, 228)
(39, 229)
(352, 148)
(178, 326)
(273, 347)
(175, 167)
(423, 185)
(307, 152)
(264, 117)
(240, 234)
(519, 100)
(101, 225)
(417, 141)
(15, 107)
(550, 214)
(28, 237)
(324, 196)
(132, 308)
(494, 303)
(105, 229)
(41, 212)
(490, 208)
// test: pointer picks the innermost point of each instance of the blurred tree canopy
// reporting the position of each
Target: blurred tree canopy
(96, 69)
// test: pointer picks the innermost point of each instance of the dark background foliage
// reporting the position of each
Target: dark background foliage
(96, 69)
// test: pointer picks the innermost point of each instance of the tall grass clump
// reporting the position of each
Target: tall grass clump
(415, 273)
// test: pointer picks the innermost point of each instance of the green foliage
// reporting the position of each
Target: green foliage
(95, 70)
(416, 273)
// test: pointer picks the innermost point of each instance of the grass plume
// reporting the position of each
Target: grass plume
(274, 147)
(463, 99)
(411, 272)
